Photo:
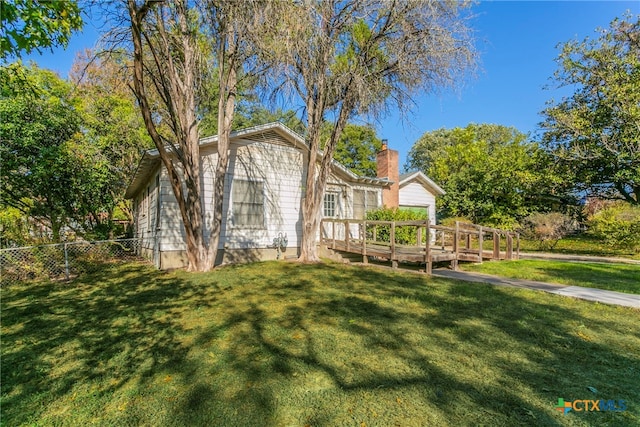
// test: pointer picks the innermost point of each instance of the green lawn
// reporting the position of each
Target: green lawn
(283, 344)
(581, 244)
(613, 277)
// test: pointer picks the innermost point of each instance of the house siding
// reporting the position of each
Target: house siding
(277, 165)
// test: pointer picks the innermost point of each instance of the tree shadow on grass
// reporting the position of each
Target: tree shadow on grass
(77, 346)
(289, 344)
(525, 352)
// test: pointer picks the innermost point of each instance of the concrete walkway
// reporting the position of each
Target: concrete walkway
(591, 294)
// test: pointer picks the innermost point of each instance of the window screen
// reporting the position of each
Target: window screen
(358, 204)
(248, 204)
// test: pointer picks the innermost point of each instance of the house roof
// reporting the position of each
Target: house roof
(423, 180)
(151, 158)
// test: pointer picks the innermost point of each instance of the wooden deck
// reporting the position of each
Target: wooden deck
(418, 241)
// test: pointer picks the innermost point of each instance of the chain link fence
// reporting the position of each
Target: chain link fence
(66, 260)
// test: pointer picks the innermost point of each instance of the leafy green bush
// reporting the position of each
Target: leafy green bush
(617, 226)
(451, 221)
(547, 228)
(404, 235)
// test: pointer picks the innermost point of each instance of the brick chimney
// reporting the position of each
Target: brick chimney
(387, 167)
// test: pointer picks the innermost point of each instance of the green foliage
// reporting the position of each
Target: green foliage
(451, 221)
(492, 174)
(37, 128)
(356, 148)
(594, 133)
(404, 234)
(618, 226)
(253, 114)
(547, 228)
(67, 154)
(14, 228)
(29, 25)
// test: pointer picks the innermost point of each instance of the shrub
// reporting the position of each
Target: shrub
(617, 226)
(451, 221)
(547, 228)
(404, 235)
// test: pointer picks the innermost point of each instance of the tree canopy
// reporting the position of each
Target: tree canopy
(492, 174)
(45, 173)
(595, 133)
(356, 148)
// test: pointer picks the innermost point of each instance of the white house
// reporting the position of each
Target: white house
(264, 189)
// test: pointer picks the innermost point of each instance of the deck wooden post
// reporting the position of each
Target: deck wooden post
(467, 241)
(427, 251)
(496, 245)
(517, 245)
(333, 224)
(365, 258)
(346, 235)
(509, 254)
(480, 242)
(394, 260)
(456, 244)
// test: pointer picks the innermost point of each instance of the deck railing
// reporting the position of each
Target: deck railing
(419, 241)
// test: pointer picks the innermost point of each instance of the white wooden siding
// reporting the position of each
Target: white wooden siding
(278, 166)
(145, 213)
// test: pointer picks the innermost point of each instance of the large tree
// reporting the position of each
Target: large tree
(175, 44)
(49, 171)
(112, 123)
(348, 58)
(595, 133)
(492, 174)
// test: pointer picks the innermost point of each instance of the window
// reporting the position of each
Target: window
(248, 204)
(330, 205)
(372, 200)
(359, 206)
(363, 202)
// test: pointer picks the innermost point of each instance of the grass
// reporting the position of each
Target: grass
(581, 244)
(283, 344)
(613, 277)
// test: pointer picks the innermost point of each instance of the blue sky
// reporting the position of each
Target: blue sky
(517, 43)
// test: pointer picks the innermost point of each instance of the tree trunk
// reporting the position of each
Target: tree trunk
(312, 202)
(228, 81)
(180, 99)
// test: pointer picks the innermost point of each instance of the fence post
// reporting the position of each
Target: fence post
(66, 261)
